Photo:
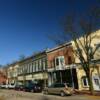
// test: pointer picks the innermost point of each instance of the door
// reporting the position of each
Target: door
(96, 82)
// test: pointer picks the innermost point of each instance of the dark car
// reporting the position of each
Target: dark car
(32, 88)
(19, 87)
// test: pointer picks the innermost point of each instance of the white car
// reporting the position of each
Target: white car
(4, 86)
(11, 86)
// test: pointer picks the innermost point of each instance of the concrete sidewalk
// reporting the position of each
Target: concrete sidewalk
(96, 93)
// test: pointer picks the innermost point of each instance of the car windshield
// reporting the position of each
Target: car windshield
(59, 85)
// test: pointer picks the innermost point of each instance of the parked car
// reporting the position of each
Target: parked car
(58, 88)
(33, 88)
(11, 86)
(19, 87)
(4, 86)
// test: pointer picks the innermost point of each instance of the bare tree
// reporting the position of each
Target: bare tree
(81, 32)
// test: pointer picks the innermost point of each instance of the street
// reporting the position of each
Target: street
(20, 95)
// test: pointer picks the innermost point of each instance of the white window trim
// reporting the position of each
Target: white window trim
(86, 83)
(59, 61)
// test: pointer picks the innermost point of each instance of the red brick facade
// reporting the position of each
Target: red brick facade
(66, 51)
(3, 78)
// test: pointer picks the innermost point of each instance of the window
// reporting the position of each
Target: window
(52, 62)
(28, 68)
(85, 81)
(31, 68)
(25, 69)
(21, 70)
(39, 65)
(36, 65)
(96, 82)
(44, 64)
(57, 61)
(60, 61)
(69, 60)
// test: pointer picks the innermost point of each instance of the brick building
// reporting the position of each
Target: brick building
(3, 77)
(60, 63)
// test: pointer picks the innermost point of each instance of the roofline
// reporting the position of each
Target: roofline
(58, 47)
(32, 56)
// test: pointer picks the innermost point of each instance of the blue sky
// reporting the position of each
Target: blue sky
(24, 24)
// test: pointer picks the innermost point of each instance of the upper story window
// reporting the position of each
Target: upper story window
(30, 67)
(69, 60)
(39, 63)
(25, 68)
(36, 66)
(44, 64)
(59, 61)
(52, 63)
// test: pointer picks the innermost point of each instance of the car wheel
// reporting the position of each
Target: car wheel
(62, 93)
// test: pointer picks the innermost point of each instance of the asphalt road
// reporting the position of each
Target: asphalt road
(20, 95)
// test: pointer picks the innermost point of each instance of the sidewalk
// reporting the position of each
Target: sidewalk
(96, 93)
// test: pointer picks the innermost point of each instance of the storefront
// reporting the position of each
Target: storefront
(68, 76)
(40, 78)
(83, 81)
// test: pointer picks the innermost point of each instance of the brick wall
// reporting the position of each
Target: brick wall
(64, 51)
(3, 78)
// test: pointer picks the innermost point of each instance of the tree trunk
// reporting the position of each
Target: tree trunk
(89, 76)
